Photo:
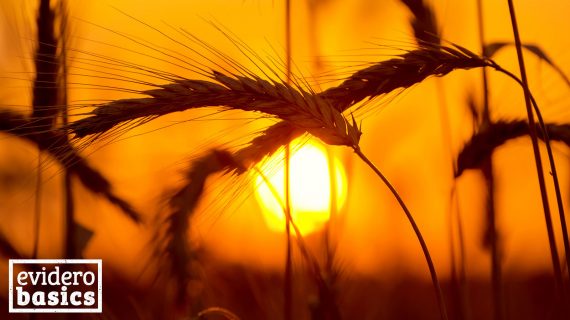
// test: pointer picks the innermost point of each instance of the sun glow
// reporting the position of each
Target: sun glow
(310, 187)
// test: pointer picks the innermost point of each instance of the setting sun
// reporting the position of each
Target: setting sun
(310, 187)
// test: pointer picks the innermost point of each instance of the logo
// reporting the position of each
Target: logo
(55, 286)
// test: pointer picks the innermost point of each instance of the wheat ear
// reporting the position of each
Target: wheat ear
(484, 142)
(305, 110)
(402, 72)
(184, 202)
(55, 143)
(423, 22)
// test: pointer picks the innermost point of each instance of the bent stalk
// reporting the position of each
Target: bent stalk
(433, 274)
(538, 161)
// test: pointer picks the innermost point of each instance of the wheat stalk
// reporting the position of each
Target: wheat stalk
(536, 151)
(550, 154)
(47, 65)
(425, 28)
(71, 249)
(326, 308)
(490, 239)
(44, 98)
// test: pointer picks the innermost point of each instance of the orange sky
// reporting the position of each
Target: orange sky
(403, 136)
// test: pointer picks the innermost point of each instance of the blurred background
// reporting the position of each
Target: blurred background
(379, 271)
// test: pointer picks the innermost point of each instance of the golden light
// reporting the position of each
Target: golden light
(310, 187)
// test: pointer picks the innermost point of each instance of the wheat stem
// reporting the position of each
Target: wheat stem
(544, 128)
(454, 206)
(313, 265)
(46, 68)
(538, 160)
(487, 169)
(288, 288)
(556, 182)
(37, 206)
(69, 206)
(333, 210)
(433, 274)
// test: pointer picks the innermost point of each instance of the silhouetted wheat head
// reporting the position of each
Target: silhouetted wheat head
(423, 22)
(306, 110)
(484, 142)
(55, 143)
